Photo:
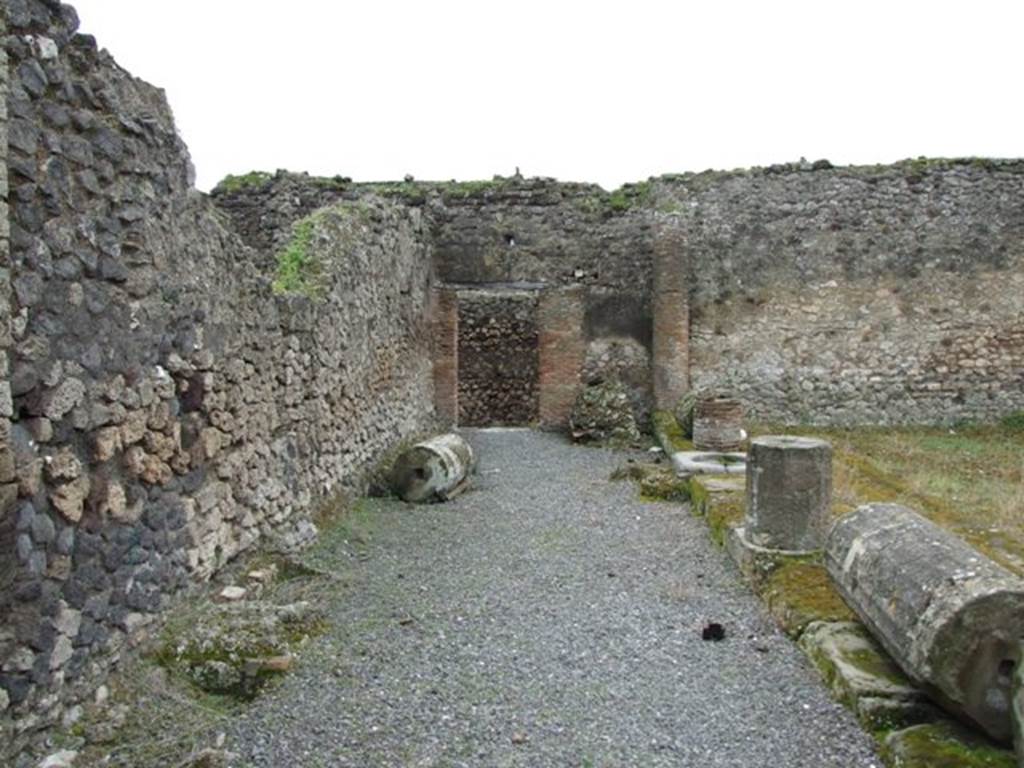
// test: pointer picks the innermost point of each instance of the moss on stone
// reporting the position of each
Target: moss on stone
(664, 485)
(700, 497)
(231, 183)
(725, 512)
(668, 432)
(655, 482)
(798, 593)
(943, 744)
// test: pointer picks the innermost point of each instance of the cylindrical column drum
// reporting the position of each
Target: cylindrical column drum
(949, 616)
(718, 424)
(434, 470)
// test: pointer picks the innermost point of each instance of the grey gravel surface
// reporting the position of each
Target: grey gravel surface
(546, 618)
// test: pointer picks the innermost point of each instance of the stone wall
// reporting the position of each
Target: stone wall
(9, 488)
(773, 269)
(497, 357)
(186, 378)
(870, 295)
(170, 407)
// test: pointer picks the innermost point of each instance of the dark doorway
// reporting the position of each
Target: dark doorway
(498, 357)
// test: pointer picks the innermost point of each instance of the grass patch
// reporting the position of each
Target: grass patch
(232, 183)
(297, 269)
(969, 480)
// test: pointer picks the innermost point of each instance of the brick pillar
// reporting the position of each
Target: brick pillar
(445, 325)
(560, 315)
(671, 341)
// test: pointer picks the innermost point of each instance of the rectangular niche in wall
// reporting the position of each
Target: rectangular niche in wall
(498, 357)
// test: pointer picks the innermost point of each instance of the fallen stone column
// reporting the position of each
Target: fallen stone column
(434, 470)
(789, 490)
(950, 617)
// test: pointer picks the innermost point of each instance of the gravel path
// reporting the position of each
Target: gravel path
(546, 618)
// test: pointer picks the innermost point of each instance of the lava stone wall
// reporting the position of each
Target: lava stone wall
(498, 358)
(170, 409)
(876, 295)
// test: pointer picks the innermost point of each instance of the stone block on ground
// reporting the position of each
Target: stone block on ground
(862, 676)
(942, 744)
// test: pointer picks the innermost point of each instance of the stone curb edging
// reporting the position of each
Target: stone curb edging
(911, 732)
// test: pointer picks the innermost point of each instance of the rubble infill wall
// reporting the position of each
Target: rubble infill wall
(177, 397)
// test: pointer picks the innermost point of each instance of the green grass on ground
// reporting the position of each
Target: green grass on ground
(969, 480)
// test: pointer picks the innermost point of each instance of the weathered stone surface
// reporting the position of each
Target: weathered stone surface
(234, 648)
(433, 470)
(942, 744)
(69, 498)
(789, 492)
(951, 618)
(859, 672)
(603, 414)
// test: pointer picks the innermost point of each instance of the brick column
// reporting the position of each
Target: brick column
(445, 326)
(671, 341)
(560, 315)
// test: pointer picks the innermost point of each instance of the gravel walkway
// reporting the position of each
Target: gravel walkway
(546, 618)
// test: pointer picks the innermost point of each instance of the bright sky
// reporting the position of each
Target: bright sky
(598, 91)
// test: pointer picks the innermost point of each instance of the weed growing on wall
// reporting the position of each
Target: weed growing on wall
(231, 183)
(297, 270)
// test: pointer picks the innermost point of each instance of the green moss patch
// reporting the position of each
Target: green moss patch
(798, 593)
(298, 271)
(655, 482)
(232, 183)
(234, 650)
(942, 744)
(669, 434)
(862, 676)
(725, 512)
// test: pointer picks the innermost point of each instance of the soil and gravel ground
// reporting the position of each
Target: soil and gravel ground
(548, 617)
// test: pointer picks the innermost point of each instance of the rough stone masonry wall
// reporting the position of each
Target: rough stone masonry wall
(498, 358)
(169, 409)
(874, 295)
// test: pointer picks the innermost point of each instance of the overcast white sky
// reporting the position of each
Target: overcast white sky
(584, 91)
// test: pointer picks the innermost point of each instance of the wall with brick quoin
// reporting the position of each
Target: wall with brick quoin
(776, 263)
(170, 410)
(162, 409)
(874, 295)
